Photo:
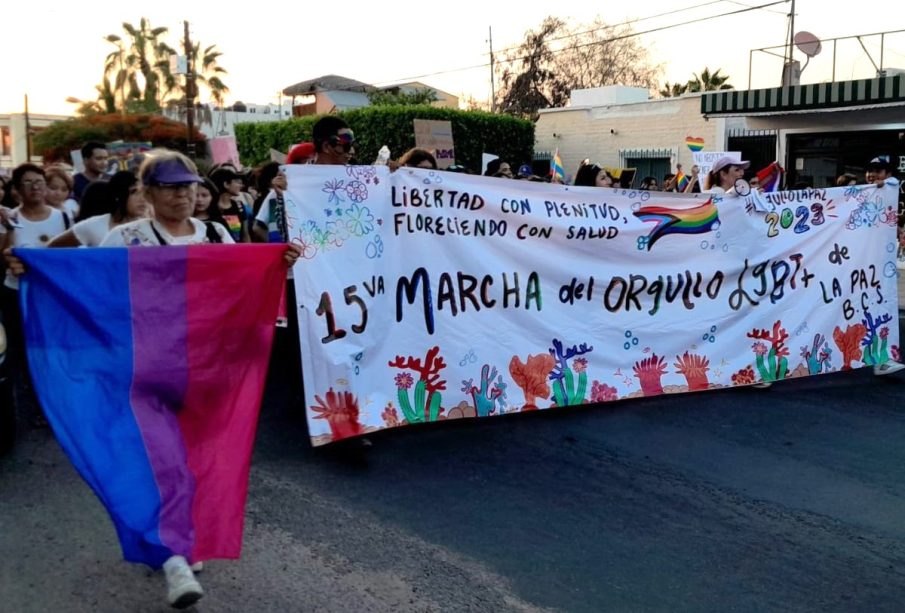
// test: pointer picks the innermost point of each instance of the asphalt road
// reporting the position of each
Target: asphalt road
(787, 499)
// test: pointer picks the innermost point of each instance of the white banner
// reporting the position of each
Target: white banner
(428, 295)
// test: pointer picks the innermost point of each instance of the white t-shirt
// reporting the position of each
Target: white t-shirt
(71, 208)
(266, 218)
(142, 233)
(91, 232)
(33, 234)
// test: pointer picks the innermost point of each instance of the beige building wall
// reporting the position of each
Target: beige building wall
(602, 133)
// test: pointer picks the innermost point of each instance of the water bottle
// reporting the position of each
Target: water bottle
(383, 156)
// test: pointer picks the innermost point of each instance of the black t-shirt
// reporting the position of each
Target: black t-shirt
(236, 217)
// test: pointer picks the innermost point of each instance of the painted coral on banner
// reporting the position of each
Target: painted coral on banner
(426, 296)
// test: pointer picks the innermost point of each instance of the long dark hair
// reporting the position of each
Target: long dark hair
(587, 175)
(264, 175)
(96, 200)
(121, 185)
(213, 209)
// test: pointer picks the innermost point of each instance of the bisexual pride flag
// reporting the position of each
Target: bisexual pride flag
(150, 364)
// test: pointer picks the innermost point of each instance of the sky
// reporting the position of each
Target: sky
(269, 46)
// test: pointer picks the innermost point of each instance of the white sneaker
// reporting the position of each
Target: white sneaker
(888, 368)
(183, 590)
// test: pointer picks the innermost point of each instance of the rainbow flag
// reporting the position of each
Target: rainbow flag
(681, 181)
(697, 220)
(557, 170)
(150, 370)
(770, 177)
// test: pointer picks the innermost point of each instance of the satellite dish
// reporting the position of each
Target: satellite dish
(807, 43)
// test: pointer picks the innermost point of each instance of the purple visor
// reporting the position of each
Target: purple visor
(171, 172)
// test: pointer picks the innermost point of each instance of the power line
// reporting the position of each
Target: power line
(628, 22)
(767, 10)
(572, 35)
(597, 42)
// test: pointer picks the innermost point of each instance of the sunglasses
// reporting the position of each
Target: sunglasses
(346, 140)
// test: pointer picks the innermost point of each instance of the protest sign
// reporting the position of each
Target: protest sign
(126, 155)
(224, 151)
(427, 295)
(705, 159)
(437, 137)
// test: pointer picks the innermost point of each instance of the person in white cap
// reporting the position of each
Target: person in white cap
(724, 173)
(878, 170)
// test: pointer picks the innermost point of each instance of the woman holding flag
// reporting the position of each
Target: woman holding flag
(155, 405)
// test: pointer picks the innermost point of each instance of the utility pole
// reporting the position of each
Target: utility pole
(27, 132)
(791, 30)
(189, 93)
(492, 87)
(788, 68)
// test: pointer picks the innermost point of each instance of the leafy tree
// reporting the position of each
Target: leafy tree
(557, 58)
(528, 81)
(708, 82)
(57, 140)
(384, 97)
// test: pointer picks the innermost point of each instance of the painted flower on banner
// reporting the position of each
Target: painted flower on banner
(366, 174)
(884, 333)
(359, 220)
(744, 377)
(390, 416)
(759, 348)
(356, 191)
(601, 392)
(868, 215)
(404, 381)
(337, 231)
(335, 188)
(894, 352)
(580, 365)
(308, 250)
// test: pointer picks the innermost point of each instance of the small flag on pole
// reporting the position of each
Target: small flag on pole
(681, 181)
(557, 170)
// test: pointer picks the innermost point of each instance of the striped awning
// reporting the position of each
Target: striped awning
(816, 96)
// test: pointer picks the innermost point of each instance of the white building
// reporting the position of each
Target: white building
(216, 121)
(14, 137)
(619, 127)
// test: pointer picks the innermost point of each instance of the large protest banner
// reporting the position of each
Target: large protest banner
(428, 295)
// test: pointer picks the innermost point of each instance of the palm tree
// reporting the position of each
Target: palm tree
(141, 62)
(673, 90)
(208, 71)
(105, 102)
(708, 82)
